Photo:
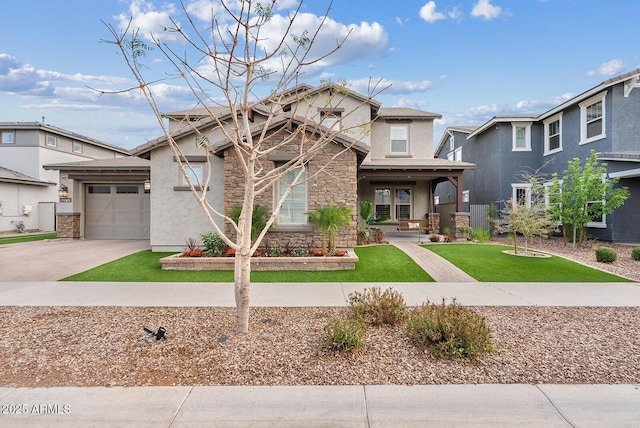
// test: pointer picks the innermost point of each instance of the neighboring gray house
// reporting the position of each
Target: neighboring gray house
(28, 192)
(605, 118)
(389, 161)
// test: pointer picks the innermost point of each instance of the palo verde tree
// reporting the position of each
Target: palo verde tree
(528, 214)
(226, 66)
(583, 194)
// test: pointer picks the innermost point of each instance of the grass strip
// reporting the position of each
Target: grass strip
(380, 263)
(27, 238)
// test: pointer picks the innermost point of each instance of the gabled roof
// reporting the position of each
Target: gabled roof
(304, 90)
(406, 113)
(503, 119)
(112, 164)
(10, 176)
(62, 132)
(447, 132)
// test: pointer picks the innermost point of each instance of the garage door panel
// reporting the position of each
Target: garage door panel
(121, 213)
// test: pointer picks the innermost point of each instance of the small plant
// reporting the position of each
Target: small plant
(299, 252)
(450, 331)
(275, 251)
(481, 235)
(213, 244)
(378, 235)
(343, 335)
(377, 308)
(434, 238)
(448, 238)
(446, 231)
(606, 255)
(635, 254)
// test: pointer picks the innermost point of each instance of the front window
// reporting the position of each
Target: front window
(394, 203)
(521, 136)
(553, 135)
(294, 206)
(8, 137)
(592, 115)
(399, 142)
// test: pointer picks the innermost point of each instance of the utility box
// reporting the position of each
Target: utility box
(26, 209)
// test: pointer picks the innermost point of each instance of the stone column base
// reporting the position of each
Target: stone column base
(434, 222)
(460, 220)
(68, 225)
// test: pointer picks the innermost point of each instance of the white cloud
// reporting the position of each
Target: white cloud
(429, 14)
(143, 17)
(609, 68)
(539, 106)
(393, 87)
(484, 9)
(411, 103)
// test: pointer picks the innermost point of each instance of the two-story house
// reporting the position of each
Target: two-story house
(29, 193)
(381, 154)
(603, 118)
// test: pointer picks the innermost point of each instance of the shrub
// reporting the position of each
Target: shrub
(343, 335)
(275, 251)
(635, 254)
(481, 235)
(450, 331)
(446, 231)
(299, 252)
(606, 255)
(434, 238)
(213, 244)
(378, 308)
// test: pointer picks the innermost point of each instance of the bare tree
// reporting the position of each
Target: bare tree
(231, 61)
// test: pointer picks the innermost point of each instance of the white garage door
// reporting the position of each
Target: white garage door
(117, 211)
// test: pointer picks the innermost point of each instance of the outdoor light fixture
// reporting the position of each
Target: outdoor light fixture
(155, 335)
(63, 192)
(147, 184)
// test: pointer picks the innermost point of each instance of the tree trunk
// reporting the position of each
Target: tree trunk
(515, 231)
(242, 286)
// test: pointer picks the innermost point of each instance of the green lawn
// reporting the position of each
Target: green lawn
(27, 238)
(384, 263)
(487, 263)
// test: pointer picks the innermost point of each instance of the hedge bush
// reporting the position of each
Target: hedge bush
(635, 254)
(606, 255)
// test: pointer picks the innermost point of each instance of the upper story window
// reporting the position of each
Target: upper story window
(8, 137)
(329, 118)
(52, 140)
(451, 143)
(399, 139)
(77, 147)
(553, 134)
(195, 175)
(592, 119)
(521, 136)
(455, 155)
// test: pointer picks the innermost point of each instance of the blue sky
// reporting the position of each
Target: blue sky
(467, 60)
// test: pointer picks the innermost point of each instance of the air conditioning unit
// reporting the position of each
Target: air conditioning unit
(26, 209)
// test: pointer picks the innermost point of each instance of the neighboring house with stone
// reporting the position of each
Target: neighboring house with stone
(605, 118)
(29, 192)
(381, 154)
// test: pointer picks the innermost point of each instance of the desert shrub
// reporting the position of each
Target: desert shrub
(377, 308)
(635, 254)
(481, 235)
(450, 331)
(343, 335)
(606, 255)
(299, 252)
(213, 244)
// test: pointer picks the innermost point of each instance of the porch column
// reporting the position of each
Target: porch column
(460, 224)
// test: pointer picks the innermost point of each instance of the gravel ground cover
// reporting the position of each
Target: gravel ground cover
(106, 346)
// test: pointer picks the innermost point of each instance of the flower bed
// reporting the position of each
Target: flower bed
(344, 262)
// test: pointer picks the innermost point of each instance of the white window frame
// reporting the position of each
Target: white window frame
(76, 146)
(527, 136)
(465, 196)
(518, 186)
(600, 98)
(602, 224)
(455, 155)
(51, 140)
(405, 129)
(194, 171)
(8, 137)
(298, 190)
(328, 119)
(547, 122)
(436, 200)
(451, 143)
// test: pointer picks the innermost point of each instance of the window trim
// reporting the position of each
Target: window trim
(527, 136)
(465, 196)
(518, 186)
(49, 138)
(547, 122)
(183, 180)
(73, 146)
(602, 224)
(282, 226)
(393, 197)
(584, 105)
(2, 137)
(406, 139)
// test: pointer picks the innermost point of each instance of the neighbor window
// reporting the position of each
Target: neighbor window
(521, 194)
(52, 140)
(599, 221)
(553, 134)
(8, 137)
(77, 147)
(592, 116)
(399, 142)
(521, 136)
(465, 196)
(294, 206)
(455, 155)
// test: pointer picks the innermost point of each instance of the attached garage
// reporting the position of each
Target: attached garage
(116, 211)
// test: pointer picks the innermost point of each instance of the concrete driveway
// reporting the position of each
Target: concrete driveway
(52, 260)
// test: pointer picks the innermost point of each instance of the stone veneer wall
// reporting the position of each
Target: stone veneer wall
(68, 225)
(337, 183)
(460, 220)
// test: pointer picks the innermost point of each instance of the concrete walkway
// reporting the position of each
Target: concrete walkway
(309, 406)
(438, 268)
